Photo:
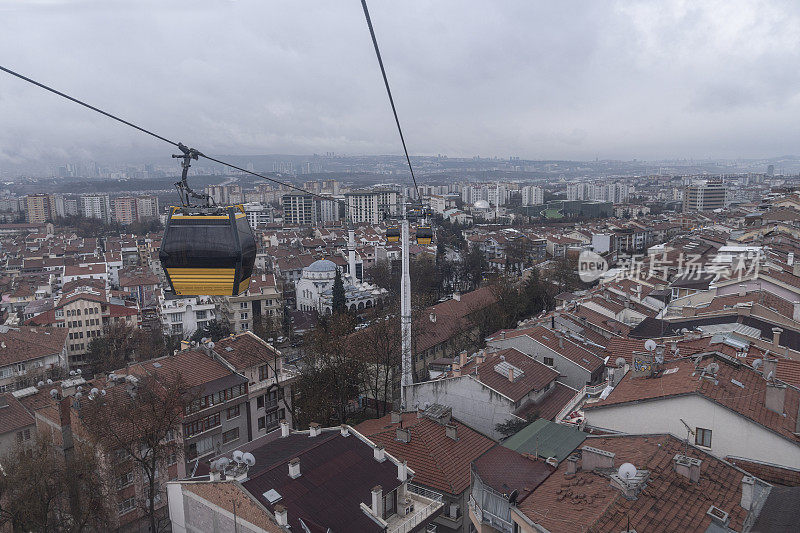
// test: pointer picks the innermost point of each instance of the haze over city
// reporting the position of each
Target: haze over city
(614, 80)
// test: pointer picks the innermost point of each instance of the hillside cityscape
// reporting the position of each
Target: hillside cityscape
(418, 267)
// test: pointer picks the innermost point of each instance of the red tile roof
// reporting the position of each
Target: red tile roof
(246, 351)
(438, 461)
(24, 343)
(587, 502)
(13, 415)
(549, 406)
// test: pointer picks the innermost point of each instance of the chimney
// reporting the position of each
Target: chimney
(281, 516)
(718, 516)
(742, 290)
(481, 357)
(775, 396)
(379, 453)
(451, 431)
(284, 428)
(748, 486)
(796, 311)
(404, 434)
(594, 458)
(396, 417)
(511, 375)
(314, 429)
(457, 296)
(502, 335)
(776, 334)
(345, 429)
(402, 471)
(572, 465)
(796, 269)
(377, 501)
(790, 259)
(462, 358)
(294, 468)
(688, 467)
(561, 342)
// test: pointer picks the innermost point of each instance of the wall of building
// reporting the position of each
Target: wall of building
(472, 403)
(571, 374)
(731, 434)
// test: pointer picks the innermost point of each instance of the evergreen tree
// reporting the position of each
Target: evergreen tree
(339, 299)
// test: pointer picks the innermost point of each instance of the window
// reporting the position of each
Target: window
(23, 436)
(703, 437)
(260, 402)
(177, 329)
(548, 361)
(200, 315)
(172, 459)
(201, 425)
(126, 505)
(233, 412)
(230, 436)
(243, 316)
(243, 305)
(124, 480)
(271, 420)
(263, 372)
(20, 367)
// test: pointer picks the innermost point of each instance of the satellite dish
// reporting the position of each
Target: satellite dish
(237, 456)
(95, 391)
(211, 345)
(49, 381)
(512, 498)
(78, 394)
(79, 389)
(40, 384)
(685, 330)
(713, 367)
(54, 393)
(627, 471)
(770, 375)
(79, 371)
(222, 463)
(103, 392)
(71, 372)
(249, 459)
(650, 345)
(621, 362)
(757, 364)
(212, 466)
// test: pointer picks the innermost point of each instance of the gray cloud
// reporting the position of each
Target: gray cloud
(534, 79)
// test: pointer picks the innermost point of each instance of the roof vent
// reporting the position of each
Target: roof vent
(718, 516)
(688, 467)
(272, 496)
(294, 468)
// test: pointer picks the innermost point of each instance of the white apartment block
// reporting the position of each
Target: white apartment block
(95, 206)
(532, 195)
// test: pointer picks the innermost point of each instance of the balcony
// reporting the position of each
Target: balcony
(420, 504)
(485, 517)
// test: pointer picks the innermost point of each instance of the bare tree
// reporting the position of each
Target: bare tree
(42, 489)
(378, 346)
(138, 425)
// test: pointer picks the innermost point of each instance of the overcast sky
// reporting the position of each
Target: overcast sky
(539, 80)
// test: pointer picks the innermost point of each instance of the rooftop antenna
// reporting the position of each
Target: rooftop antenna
(689, 431)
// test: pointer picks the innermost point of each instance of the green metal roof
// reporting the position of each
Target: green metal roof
(546, 439)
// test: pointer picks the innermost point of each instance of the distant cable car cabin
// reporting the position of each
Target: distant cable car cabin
(392, 234)
(424, 235)
(208, 250)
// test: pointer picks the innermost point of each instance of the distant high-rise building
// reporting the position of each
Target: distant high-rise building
(225, 194)
(704, 196)
(299, 210)
(95, 206)
(577, 191)
(125, 211)
(147, 207)
(532, 195)
(370, 206)
(770, 170)
(39, 208)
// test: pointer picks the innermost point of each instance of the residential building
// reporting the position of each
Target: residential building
(95, 206)
(326, 479)
(183, 315)
(17, 424)
(125, 210)
(147, 208)
(720, 404)
(704, 196)
(258, 215)
(259, 308)
(532, 195)
(299, 210)
(371, 206)
(670, 486)
(269, 382)
(30, 354)
(39, 208)
(439, 449)
(488, 389)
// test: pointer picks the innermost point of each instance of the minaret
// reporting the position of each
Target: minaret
(351, 254)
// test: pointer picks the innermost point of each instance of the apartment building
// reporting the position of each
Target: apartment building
(704, 196)
(532, 195)
(39, 208)
(370, 206)
(261, 306)
(95, 206)
(183, 315)
(30, 354)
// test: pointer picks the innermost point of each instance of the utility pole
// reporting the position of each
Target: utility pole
(405, 313)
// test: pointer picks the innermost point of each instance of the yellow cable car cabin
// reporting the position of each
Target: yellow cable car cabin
(424, 235)
(392, 234)
(208, 251)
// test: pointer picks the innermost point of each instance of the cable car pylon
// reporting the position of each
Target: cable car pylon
(405, 312)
